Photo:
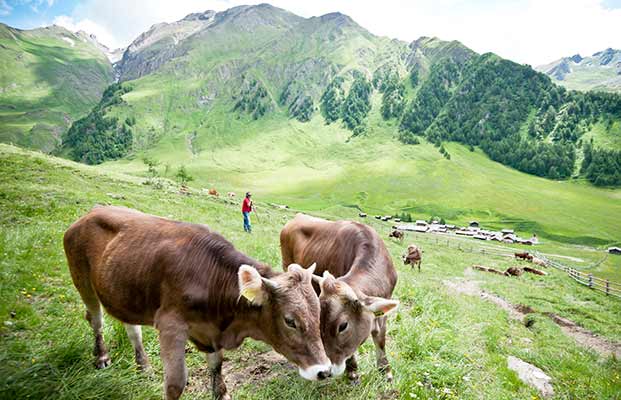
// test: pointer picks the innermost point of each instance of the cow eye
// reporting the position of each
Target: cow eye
(342, 327)
(290, 322)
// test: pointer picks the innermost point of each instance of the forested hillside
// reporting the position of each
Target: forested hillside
(255, 62)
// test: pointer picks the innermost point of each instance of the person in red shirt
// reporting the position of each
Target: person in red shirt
(246, 210)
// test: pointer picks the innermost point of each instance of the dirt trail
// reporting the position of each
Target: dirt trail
(581, 335)
(252, 367)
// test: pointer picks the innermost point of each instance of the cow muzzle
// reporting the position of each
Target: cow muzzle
(337, 369)
(316, 372)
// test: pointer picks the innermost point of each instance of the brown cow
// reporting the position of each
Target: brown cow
(414, 256)
(190, 283)
(397, 235)
(524, 256)
(356, 302)
(213, 192)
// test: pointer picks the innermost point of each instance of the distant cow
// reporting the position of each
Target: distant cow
(524, 256)
(191, 284)
(414, 256)
(539, 261)
(230, 194)
(213, 192)
(355, 290)
(397, 235)
(514, 271)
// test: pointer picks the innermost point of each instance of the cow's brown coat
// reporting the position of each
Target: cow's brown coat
(185, 280)
(356, 255)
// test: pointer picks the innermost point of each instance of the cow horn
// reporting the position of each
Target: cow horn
(318, 279)
(270, 284)
(294, 267)
(311, 269)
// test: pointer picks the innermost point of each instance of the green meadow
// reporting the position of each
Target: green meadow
(322, 168)
(442, 344)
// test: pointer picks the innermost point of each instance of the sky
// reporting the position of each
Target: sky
(527, 31)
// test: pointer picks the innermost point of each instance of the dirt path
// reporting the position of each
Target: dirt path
(582, 336)
(252, 367)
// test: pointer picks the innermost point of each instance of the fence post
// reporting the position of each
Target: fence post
(607, 287)
(591, 281)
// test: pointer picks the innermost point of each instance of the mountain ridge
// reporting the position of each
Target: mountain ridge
(600, 71)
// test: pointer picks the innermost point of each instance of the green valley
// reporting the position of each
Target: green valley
(49, 77)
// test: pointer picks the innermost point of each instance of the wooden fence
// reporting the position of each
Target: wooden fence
(587, 279)
(471, 245)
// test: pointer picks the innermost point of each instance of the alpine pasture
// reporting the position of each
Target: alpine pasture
(443, 343)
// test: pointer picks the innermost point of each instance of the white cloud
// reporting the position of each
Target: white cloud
(103, 36)
(527, 31)
(5, 8)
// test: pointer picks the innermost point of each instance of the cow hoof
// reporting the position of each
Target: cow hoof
(354, 379)
(103, 362)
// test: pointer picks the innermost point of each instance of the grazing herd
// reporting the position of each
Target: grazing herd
(191, 284)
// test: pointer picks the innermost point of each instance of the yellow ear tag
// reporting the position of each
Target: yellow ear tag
(249, 294)
(378, 313)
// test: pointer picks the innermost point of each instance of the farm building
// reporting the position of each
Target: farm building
(507, 232)
(362, 215)
(614, 250)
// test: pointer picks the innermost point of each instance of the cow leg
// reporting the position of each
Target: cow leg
(173, 336)
(94, 316)
(419, 266)
(134, 332)
(351, 370)
(218, 387)
(379, 338)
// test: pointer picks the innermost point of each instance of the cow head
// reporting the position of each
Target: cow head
(347, 318)
(290, 315)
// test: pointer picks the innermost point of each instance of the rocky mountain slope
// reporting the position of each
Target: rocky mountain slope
(49, 77)
(601, 71)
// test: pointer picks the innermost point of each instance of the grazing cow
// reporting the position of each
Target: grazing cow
(397, 235)
(191, 284)
(524, 256)
(539, 261)
(213, 192)
(414, 256)
(355, 290)
(231, 195)
(514, 271)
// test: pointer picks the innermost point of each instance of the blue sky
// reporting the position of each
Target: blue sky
(526, 31)
(34, 13)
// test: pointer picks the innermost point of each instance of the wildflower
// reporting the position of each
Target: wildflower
(419, 383)
(446, 391)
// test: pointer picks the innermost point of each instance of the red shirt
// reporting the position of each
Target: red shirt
(247, 205)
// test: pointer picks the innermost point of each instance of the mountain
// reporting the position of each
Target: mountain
(320, 113)
(601, 71)
(187, 77)
(49, 77)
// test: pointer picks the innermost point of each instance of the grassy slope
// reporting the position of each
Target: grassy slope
(592, 78)
(315, 167)
(437, 341)
(46, 83)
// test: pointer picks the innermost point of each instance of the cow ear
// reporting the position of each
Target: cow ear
(380, 306)
(252, 286)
